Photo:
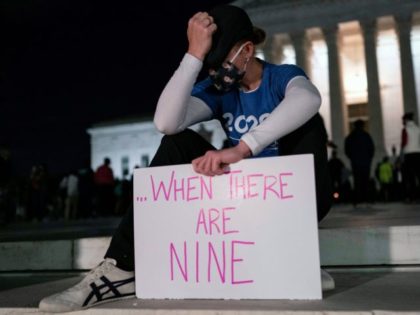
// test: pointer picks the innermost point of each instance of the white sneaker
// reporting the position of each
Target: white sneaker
(104, 283)
(327, 282)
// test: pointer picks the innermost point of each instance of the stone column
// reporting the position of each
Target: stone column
(278, 43)
(301, 44)
(337, 107)
(376, 128)
(403, 27)
(268, 48)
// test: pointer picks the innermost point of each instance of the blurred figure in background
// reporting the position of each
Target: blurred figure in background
(397, 179)
(360, 149)
(385, 178)
(410, 148)
(335, 166)
(86, 191)
(37, 193)
(72, 185)
(104, 184)
(7, 205)
(123, 194)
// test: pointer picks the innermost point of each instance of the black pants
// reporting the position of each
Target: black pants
(412, 178)
(361, 176)
(182, 148)
(312, 138)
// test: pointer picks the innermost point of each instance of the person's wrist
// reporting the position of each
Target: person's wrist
(243, 149)
(196, 53)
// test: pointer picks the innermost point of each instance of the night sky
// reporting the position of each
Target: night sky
(68, 64)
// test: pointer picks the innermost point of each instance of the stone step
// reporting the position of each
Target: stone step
(387, 234)
(377, 291)
(395, 245)
(77, 254)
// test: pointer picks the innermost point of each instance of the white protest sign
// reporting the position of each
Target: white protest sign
(249, 234)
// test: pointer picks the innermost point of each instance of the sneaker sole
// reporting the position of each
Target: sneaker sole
(125, 297)
(47, 309)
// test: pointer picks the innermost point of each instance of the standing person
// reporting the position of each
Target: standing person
(123, 196)
(360, 149)
(258, 104)
(396, 161)
(336, 167)
(7, 205)
(38, 193)
(385, 178)
(104, 183)
(72, 196)
(86, 189)
(62, 195)
(410, 148)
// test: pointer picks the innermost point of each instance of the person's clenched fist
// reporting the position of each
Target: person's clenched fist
(200, 30)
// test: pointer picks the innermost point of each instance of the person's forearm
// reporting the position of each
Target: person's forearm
(301, 102)
(171, 110)
(243, 149)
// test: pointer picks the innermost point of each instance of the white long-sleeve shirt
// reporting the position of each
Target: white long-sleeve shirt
(177, 109)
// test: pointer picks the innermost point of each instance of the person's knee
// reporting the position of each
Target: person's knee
(183, 136)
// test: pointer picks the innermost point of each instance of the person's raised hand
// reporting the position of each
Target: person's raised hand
(200, 30)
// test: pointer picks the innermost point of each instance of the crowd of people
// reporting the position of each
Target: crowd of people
(86, 193)
(394, 178)
(82, 193)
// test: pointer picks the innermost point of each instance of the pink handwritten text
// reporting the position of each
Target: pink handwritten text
(182, 188)
(251, 186)
(216, 260)
(214, 221)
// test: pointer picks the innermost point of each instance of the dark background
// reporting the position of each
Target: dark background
(68, 64)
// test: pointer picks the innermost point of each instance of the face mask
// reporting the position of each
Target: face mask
(228, 76)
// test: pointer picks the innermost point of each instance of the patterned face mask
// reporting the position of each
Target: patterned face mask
(228, 76)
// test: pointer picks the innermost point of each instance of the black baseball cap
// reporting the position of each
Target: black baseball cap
(233, 25)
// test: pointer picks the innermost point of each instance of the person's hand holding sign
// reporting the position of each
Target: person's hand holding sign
(215, 162)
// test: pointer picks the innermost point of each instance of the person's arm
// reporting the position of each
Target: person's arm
(371, 147)
(404, 138)
(215, 162)
(301, 102)
(176, 108)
